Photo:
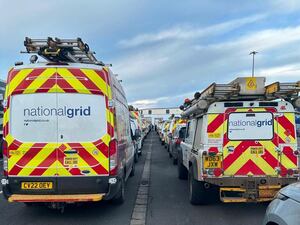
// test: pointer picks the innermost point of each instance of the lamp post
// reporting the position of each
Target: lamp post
(253, 53)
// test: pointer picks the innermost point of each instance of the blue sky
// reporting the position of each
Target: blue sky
(164, 51)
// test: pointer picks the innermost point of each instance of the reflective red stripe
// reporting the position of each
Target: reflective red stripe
(250, 167)
(216, 123)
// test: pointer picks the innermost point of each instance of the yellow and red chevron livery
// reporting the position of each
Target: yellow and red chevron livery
(47, 159)
(277, 158)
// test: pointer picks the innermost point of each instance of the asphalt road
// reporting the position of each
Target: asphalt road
(167, 204)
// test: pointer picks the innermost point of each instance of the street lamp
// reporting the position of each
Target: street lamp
(253, 53)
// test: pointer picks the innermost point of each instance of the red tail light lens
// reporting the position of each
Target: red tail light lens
(5, 158)
(113, 158)
(178, 141)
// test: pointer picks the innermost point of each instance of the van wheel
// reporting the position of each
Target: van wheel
(136, 157)
(197, 192)
(132, 170)
(175, 161)
(182, 171)
(120, 196)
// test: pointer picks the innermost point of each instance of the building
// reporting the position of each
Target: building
(159, 113)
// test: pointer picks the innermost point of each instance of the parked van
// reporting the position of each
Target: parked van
(240, 143)
(66, 128)
(136, 136)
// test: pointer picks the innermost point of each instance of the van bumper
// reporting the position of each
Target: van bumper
(65, 189)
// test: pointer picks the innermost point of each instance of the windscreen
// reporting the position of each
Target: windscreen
(250, 126)
(57, 117)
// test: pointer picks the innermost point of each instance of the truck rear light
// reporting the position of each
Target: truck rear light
(5, 158)
(290, 172)
(177, 141)
(113, 158)
(218, 172)
(213, 151)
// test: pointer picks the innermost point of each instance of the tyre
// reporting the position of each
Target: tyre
(120, 196)
(197, 193)
(181, 170)
(136, 157)
(175, 161)
(132, 170)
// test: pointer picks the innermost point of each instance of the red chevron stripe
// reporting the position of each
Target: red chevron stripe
(28, 80)
(46, 163)
(216, 123)
(288, 152)
(50, 82)
(89, 159)
(104, 75)
(250, 167)
(12, 74)
(63, 84)
(271, 110)
(269, 158)
(30, 154)
(238, 151)
(86, 81)
(287, 125)
(277, 140)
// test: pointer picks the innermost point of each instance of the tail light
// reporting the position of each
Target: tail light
(177, 141)
(213, 151)
(5, 158)
(113, 158)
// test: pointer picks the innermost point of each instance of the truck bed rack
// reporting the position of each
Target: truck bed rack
(61, 50)
(238, 91)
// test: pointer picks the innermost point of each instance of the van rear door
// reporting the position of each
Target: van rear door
(30, 130)
(83, 136)
(250, 142)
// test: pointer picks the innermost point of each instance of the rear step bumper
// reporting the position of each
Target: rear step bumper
(65, 189)
(249, 189)
(262, 194)
(56, 198)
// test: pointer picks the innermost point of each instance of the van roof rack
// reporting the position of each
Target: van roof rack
(61, 50)
(238, 90)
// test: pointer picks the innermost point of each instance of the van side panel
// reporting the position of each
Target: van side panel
(48, 159)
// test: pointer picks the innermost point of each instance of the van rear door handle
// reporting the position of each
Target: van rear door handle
(71, 151)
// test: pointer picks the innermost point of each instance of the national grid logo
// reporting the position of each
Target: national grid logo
(252, 123)
(41, 111)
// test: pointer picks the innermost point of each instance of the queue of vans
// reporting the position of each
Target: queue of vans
(69, 135)
(171, 133)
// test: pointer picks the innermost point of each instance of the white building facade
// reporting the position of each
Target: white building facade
(159, 113)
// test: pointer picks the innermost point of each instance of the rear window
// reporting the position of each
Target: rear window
(250, 126)
(57, 117)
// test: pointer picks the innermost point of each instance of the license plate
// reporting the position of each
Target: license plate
(257, 150)
(36, 185)
(212, 162)
(70, 161)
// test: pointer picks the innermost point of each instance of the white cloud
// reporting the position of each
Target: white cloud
(189, 32)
